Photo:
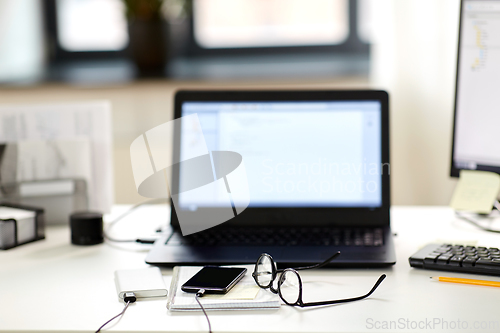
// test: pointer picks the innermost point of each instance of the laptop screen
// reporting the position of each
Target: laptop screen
(296, 154)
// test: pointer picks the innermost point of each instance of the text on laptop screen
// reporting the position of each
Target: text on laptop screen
(296, 154)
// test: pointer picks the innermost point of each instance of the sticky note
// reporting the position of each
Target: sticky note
(476, 191)
(240, 291)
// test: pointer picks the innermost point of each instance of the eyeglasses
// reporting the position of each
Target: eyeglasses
(290, 284)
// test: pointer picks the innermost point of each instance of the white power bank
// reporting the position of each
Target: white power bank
(146, 282)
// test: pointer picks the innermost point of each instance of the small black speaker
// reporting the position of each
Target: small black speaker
(86, 228)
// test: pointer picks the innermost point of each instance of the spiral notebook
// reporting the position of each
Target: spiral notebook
(246, 295)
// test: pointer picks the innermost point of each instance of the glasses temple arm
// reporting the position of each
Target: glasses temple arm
(324, 263)
(379, 281)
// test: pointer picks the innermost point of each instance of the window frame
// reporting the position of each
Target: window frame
(352, 44)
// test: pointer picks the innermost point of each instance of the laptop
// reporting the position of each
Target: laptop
(317, 170)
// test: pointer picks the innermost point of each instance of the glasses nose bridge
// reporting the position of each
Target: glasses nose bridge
(271, 287)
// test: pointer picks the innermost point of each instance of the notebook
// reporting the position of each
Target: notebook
(246, 295)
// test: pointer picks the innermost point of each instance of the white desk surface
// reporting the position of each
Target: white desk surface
(53, 286)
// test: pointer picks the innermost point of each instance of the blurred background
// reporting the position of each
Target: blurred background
(137, 53)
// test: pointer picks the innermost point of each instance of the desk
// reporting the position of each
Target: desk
(51, 285)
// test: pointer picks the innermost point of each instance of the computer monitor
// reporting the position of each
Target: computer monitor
(476, 129)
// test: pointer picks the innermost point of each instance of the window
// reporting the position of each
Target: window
(97, 29)
(91, 25)
(364, 17)
(270, 23)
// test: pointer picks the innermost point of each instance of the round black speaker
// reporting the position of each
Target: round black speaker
(86, 228)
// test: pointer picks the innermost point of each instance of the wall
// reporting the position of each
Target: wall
(140, 106)
(414, 58)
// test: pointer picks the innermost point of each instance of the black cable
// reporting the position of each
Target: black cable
(111, 239)
(134, 207)
(473, 222)
(118, 315)
(112, 223)
(200, 293)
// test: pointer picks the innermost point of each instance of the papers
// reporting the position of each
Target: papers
(476, 191)
(245, 295)
(49, 160)
(63, 141)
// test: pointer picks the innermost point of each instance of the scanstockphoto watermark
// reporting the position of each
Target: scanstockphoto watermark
(323, 167)
(431, 324)
(322, 187)
(322, 177)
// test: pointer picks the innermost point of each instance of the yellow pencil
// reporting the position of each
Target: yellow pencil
(467, 281)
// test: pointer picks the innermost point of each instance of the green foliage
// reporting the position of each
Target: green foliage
(149, 10)
(144, 9)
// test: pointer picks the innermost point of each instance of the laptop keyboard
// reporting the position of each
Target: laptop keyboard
(281, 236)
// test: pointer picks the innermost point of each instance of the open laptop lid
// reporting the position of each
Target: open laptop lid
(312, 158)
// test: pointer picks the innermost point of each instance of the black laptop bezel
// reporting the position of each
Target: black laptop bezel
(318, 216)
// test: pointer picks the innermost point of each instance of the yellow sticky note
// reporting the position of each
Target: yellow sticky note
(239, 291)
(476, 191)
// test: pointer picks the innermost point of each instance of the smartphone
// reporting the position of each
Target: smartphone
(214, 279)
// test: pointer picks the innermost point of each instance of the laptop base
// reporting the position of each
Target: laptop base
(286, 256)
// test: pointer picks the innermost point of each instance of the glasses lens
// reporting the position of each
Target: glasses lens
(264, 272)
(289, 286)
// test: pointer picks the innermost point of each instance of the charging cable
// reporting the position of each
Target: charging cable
(106, 231)
(129, 298)
(475, 223)
(199, 294)
(496, 205)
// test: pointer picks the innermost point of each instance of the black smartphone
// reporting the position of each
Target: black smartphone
(214, 279)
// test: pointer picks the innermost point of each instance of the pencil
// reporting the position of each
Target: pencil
(467, 281)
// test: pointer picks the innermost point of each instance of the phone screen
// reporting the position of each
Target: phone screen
(214, 279)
